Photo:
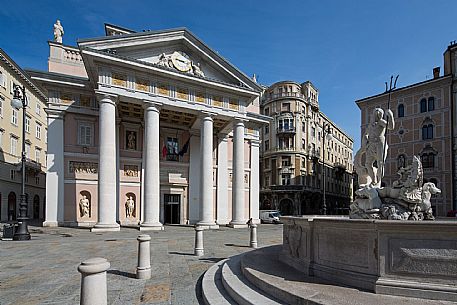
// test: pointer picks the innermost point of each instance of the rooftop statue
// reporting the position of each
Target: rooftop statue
(407, 199)
(58, 31)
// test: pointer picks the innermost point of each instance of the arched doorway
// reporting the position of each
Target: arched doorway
(12, 206)
(36, 207)
(286, 207)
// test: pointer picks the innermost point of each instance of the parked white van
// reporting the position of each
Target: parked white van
(269, 216)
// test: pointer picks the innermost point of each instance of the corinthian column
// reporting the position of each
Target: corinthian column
(238, 207)
(206, 173)
(107, 167)
(151, 181)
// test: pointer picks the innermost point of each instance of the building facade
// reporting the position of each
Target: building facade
(149, 128)
(424, 126)
(11, 124)
(293, 156)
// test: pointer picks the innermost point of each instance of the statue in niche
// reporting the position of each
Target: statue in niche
(196, 70)
(129, 207)
(164, 60)
(58, 32)
(131, 140)
(84, 206)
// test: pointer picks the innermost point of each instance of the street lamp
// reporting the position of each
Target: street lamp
(20, 100)
(328, 137)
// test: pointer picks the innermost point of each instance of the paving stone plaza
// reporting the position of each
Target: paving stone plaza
(44, 269)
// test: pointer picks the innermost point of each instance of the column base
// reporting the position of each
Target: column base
(101, 227)
(238, 224)
(208, 225)
(224, 222)
(151, 227)
(49, 223)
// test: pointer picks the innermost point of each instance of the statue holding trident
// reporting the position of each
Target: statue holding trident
(374, 146)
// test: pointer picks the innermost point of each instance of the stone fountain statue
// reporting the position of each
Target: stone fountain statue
(407, 199)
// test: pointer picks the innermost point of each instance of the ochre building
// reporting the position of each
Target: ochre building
(11, 125)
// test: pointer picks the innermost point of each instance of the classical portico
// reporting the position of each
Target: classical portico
(178, 135)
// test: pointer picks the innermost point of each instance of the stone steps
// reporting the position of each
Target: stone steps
(239, 288)
(212, 288)
(256, 276)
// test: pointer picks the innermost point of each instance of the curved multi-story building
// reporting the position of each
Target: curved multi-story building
(292, 154)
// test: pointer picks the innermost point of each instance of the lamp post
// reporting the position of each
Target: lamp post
(325, 129)
(20, 100)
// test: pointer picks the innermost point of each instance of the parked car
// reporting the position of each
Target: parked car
(269, 216)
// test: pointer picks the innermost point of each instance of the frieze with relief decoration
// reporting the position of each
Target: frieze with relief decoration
(131, 170)
(79, 167)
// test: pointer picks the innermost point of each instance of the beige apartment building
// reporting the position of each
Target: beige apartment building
(424, 126)
(292, 155)
(11, 124)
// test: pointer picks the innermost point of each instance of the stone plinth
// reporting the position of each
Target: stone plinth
(405, 258)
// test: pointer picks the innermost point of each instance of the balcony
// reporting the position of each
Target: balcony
(289, 187)
(288, 130)
(282, 149)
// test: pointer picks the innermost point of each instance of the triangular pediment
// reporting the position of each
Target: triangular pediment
(175, 49)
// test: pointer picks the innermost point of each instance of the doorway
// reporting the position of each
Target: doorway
(172, 208)
(12, 206)
(36, 207)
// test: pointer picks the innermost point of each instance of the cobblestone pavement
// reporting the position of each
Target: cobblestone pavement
(43, 270)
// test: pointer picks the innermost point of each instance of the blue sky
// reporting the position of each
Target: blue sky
(348, 49)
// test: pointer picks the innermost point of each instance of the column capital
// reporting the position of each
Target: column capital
(255, 142)
(104, 97)
(152, 106)
(239, 122)
(206, 115)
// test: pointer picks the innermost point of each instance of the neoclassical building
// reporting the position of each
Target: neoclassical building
(149, 128)
(293, 163)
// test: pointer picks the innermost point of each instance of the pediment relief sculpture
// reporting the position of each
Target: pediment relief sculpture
(180, 61)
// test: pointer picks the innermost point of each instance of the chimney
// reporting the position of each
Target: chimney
(436, 72)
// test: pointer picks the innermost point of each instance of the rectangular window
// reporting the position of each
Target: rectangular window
(13, 146)
(267, 145)
(37, 155)
(313, 132)
(37, 180)
(14, 114)
(85, 131)
(27, 150)
(267, 180)
(267, 129)
(285, 107)
(2, 80)
(285, 161)
(1, 107)
(38, 130)
(1, 139)
(267, 111)
(27, 124)
(172, 149)
(303, 144)
(285, 179)
(38, 108)
(13, 174)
